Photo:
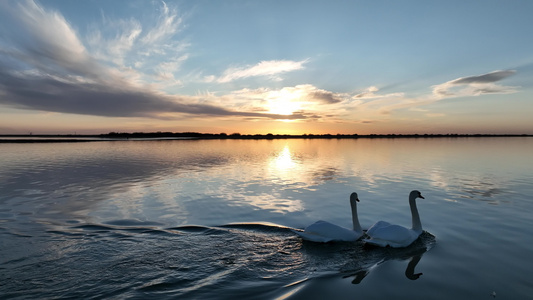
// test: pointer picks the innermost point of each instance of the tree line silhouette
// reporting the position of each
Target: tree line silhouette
(198, 135)
(43, 138)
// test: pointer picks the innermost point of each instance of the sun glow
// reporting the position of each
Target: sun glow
(281, 107)
(284, 102)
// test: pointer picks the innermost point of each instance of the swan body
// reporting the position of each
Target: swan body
(323, 232)
(385, 234)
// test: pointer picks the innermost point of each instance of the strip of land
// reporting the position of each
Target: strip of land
(136, 136)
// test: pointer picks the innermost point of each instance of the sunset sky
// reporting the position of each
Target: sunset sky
(282, 67)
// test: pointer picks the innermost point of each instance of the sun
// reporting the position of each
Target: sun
(284, 102)
(287, 108)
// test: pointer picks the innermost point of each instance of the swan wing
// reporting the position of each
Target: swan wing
(376, 227)
(393, 235)
(312, 237)
(322, 231)
(375, 242)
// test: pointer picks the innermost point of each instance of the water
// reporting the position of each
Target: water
(211, 219)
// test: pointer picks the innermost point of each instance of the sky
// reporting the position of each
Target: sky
(257, 67)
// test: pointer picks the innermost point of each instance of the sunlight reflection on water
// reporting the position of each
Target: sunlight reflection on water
(63, 203)
(283, 160)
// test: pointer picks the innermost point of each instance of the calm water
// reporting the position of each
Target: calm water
(211, 219)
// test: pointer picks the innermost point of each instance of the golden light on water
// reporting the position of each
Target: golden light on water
(281, 170)
(283, 161)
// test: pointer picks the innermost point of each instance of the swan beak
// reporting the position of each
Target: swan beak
(357, 199)
(420, 196)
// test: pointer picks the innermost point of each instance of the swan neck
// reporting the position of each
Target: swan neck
(355, 218)
(417, 225)
(410, 270)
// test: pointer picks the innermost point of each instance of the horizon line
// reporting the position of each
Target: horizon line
(190, 134)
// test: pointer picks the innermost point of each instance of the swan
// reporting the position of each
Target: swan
(322, 231)
(384, 234)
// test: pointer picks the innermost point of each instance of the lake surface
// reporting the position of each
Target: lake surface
(212, 219)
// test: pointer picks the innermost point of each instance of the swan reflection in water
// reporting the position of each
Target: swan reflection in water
(377, 256)
(409, 270)
(360, 258)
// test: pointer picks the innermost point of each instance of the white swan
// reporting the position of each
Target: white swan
(322, 231)
(384, 234)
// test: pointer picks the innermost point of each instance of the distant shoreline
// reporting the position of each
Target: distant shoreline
(158, 136)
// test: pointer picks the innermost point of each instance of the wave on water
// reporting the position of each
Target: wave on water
(127, 258)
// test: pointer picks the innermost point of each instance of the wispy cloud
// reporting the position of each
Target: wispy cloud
(305, 94)
(371, 93)
(165, 70)
(48, 93)
(48, 68)
(45, 65)
(168, 24)
(148, 51)
(271, 69)
(296, 102)
(120, 37)
(374, 102)
(43, 40)
(475, 85)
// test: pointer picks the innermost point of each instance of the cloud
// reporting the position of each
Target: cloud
(371, 93)
(168, 24)
(306, 94)
(387, 105)
(475, 85)
(165, 70)
(45, 66)
(384, 104)
(44, 40)
(151, 50)
(121, 36)
(368, 93)
(309, 93)
(296, 102)
(51, 94)
(270, 69)
(485, 78)
(325, 96)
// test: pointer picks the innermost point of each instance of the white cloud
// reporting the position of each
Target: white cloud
(119, 40)
(47, 68)
(374, 103)
(270, 69)
(150, 49)
(168, 24)
(371, 93)
(52, 29)
(475, 85)
(43, 39)
(367, 93)
(311, 102)
(298, 102)
(44, 65)
(166, 70)
(305, 93)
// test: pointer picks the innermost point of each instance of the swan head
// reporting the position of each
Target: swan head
(354, 197)
(415, 194)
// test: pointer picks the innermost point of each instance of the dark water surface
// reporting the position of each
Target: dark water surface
(212, 219)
